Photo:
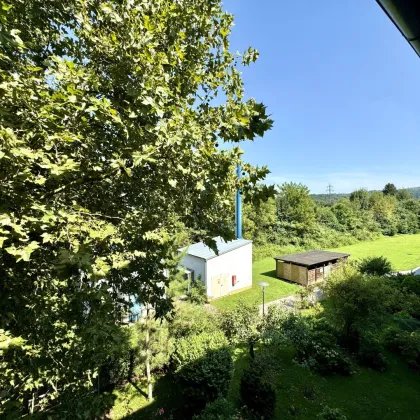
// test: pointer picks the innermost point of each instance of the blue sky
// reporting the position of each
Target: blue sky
(343, 88)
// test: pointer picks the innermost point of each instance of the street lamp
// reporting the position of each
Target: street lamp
(263, 285)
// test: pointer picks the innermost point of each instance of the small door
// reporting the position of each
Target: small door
(220, 285)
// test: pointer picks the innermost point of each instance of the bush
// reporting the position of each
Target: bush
(411, 284)
(319, 351)
(190, 319)
(329, 413)
(406, 343)
(370, 354)
(375, 266)
(256, 393)
(197, 292)
(220, 409)
(358, 303)
(203, 366)
(161, 346)
(316, 345)
(241, 324)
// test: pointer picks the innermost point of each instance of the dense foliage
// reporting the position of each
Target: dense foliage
(197, 292)
(203, 366)
(241, 324)
(220, 409)
(358, 303)
(294, 218)
(257, 394)
(375, 266)
(109, 153)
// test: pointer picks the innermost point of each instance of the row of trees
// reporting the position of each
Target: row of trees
(293, 217)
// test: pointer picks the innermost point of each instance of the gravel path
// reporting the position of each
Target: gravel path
(290, 302)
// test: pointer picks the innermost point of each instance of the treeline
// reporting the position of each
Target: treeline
(332, 198)
(293, 219)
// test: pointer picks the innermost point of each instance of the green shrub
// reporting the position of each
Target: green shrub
(241, 324)
(406, 343)
(329, 413)
(189, 319)
(411, 284)
(375, 266)
(358, 303)
(315, 342)
(220, 409)
(256, 393)
(161, 346)
(197, 292)
(203, 366)
(319, 351)
(370, 353)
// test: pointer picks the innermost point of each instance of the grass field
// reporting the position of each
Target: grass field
(301, 394)
(402, 250)
(263, 270)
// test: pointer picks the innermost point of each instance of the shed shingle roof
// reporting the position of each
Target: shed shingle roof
(202, 251)
(311, 257)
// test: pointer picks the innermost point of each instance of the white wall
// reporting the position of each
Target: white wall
(237, 262)
(198, 265)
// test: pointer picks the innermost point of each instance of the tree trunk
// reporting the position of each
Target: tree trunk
(251, 349)
(148, 374)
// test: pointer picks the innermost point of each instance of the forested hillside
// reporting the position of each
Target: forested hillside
(332, 198)
(296, 219)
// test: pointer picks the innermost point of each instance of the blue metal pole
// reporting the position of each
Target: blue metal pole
(238, 206)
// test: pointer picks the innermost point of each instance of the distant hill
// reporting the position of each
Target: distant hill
(326, 198)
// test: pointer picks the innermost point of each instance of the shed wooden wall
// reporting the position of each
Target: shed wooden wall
(291, 272)
(304, 275)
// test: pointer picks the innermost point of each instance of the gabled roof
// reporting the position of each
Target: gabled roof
(200, 250)
(311, 257)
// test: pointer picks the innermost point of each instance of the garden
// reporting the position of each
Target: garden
(355, 356)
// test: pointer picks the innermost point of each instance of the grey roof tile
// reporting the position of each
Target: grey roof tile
(202, 251)
(311, 257)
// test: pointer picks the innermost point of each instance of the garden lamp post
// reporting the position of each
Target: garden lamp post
(263, 285)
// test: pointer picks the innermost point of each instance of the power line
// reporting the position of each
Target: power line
(330, 191)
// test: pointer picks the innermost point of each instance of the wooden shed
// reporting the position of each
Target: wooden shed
(309, 267)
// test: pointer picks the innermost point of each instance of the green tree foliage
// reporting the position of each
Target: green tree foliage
(295, 207)
(241, 324)
(406, 343)
(259, 221)
(358, 303)
(375, 266)
(203, 366)
(360, 198)
(197, 292)
(390, 189)
(189, 319)
(301, 221)
(220, 409)
(257, 394)
(161, 345)
(404, 194)
(109, 152)
(384, 207)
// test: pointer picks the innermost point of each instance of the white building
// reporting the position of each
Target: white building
(222, 274)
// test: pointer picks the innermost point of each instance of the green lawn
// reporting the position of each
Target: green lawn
(403, 250)
(301, 394)
(263, 270)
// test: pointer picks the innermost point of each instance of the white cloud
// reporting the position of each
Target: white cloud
(345, 182)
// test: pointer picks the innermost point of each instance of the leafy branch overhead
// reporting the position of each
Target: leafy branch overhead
(109, 153)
